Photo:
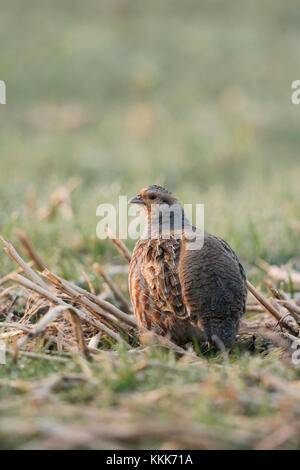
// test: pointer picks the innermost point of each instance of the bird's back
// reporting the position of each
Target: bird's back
(213, 283)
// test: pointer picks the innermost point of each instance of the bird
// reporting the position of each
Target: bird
(184, 292)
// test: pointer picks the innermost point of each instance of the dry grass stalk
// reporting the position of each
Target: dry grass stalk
(47, 357)
(84, 298)
(7, 292)
(26, 268)
(119, 244)
(290, 306)
(115, 290)
(16, 385)
(7, 278)
(45, 389)
(76, 291)
(272, 310)
(30, 250)
(16, 329)
(19, 326)
(79, 298)
(108, 307)
(278, 437)
(167, 343)
(277, 294)
(92, 290)
(94, 341)
(53, 298)
(92, 307)
(78, 333)
(59, 197)
(254, 308)
(51, 315)
(98, 313)
(280, 275)
(41, 288)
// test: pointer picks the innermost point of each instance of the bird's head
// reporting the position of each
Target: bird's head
(151, 197)
(164, 212)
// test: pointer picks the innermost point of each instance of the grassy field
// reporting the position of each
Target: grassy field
(117, 95)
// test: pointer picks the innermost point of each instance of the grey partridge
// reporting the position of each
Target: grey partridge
(182, 292)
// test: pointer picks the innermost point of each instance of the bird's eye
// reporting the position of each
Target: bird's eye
(152, 196)
(165, 201)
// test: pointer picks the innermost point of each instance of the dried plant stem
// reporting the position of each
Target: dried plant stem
(30, 250)
(47, 357)
(40, 287)
(7, 292)
(26, 268)
(279, 274)
(164, 341)
(51, 315)
(115, 290)
(61, 196)
(81, 299)
(94, 341)
(7, 278)
(92, 290)
(254, 308)
(272, 310)
(53, 298)
(108, 307)
(292, 308)
(21, 327)
(277, 294)
(119, 244)
(63, 284)
(78, 333)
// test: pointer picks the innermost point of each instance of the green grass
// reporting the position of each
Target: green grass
(227, 401)
(194, 97)
(191, 95)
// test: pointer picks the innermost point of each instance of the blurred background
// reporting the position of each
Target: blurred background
(110, 96)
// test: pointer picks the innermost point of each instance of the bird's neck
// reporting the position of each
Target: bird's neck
(165, 220)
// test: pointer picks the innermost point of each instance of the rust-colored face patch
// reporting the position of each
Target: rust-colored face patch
(156, 195)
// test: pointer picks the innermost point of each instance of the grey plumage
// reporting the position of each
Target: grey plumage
(187, 293)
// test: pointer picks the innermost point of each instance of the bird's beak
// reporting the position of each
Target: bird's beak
(136, 200)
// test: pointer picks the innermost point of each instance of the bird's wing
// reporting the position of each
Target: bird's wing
(212, 279)
(234, 256)
(160, 270)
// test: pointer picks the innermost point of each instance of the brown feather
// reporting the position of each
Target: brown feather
(185, 293)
